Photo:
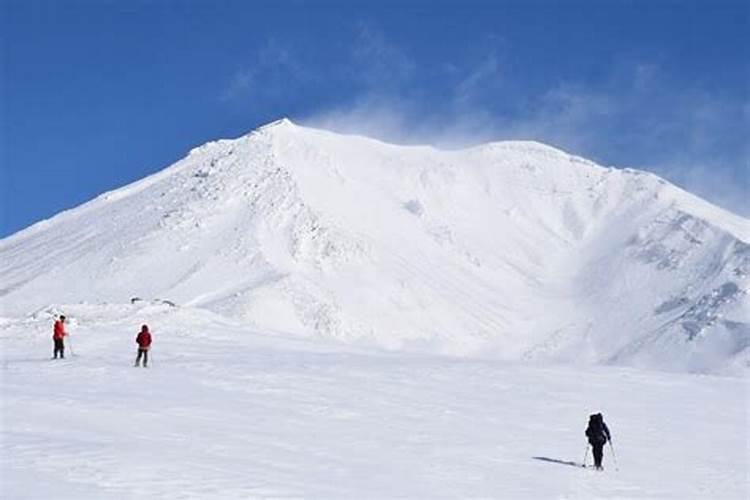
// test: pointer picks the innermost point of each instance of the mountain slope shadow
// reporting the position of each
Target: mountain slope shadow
(556, 461)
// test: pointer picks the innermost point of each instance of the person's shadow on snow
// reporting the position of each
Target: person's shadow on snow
(556, 461)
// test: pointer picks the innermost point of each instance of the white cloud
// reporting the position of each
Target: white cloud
(273, 69)
(635, 117)
(377, 63)
(485, 74)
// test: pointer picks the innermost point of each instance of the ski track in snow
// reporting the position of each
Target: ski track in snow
(224, 412)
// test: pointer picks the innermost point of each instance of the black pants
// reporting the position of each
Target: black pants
(59, 347)
(144, 353)
(598, 449)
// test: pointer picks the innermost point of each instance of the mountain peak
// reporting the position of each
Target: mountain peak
(515, 248)
(277, 124)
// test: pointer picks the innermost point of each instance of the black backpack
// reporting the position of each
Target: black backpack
(595, 431)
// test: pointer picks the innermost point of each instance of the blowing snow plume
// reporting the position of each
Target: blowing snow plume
(513, 250)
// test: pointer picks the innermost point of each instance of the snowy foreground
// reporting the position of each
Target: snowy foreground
(225, 412)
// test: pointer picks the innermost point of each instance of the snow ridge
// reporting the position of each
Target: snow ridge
(513, 250)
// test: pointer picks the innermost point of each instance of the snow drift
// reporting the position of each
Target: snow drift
(511, 250)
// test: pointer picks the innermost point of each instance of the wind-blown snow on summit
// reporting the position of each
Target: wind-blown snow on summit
(512, 249)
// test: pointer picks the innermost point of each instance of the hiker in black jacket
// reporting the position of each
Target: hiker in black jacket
(598, 434)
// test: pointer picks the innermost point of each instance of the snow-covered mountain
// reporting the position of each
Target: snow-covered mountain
(510, 250)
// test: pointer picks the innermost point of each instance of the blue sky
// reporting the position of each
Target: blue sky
(96, 94)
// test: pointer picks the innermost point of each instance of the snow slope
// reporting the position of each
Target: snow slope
(509, 250)
(335, 317)
(226, 412)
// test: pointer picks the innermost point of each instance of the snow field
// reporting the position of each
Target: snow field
(225, 412)
(335, 317)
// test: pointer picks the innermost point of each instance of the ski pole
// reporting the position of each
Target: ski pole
(614, 457)
(70, 344)
(585, 455)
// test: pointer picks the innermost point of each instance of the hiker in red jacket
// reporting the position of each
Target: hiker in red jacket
(144, 343)
(58, 336)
